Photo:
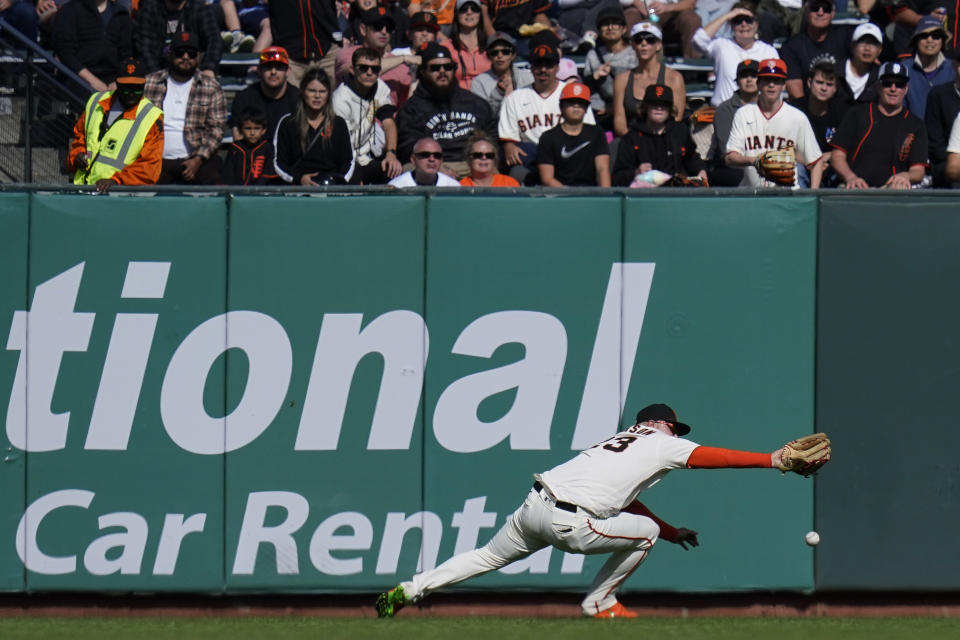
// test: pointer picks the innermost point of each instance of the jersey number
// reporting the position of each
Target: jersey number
(618, 443)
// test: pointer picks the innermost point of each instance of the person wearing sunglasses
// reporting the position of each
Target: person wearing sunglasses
(152, 32)
(629, 87)
(527, 113)
(727, 53)
(426, 160)
(483, 158)
(908, 14)
(817, 37)
(929, 67)
(468, 42)
(273, 94)
(113, 122)
(502, 78)
(376, 26)
(943, 105)
(612, 56)
(194, 115)
(440, 109)
(881, 144)
(858, 81)
(772, 125)
(363, 101)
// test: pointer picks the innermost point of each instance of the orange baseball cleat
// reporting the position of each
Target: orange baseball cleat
(616, 611)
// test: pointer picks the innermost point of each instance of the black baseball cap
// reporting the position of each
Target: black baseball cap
(544, 45)
(748, 66)
(611, 14)
(376, 15)
(433, 50)
(665, 413)
(184, 40)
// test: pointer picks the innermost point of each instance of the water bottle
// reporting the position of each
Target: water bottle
(651, 14)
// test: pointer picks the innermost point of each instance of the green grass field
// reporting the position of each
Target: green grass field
(314, 628)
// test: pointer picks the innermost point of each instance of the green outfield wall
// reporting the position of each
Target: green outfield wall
(326, 394)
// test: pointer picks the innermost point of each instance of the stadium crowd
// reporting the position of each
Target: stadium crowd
(436, 92)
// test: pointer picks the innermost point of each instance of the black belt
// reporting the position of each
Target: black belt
(560, 504)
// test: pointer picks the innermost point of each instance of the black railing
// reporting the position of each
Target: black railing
(42, 98)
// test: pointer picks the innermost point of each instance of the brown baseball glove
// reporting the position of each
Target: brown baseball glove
(778, 166)
(805, 455)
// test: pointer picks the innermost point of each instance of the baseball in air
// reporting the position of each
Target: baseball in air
(812, 538)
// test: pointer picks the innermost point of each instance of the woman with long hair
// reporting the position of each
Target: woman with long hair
(727, 53)
(629, 86)
(483, 158)
(313, 144)
(468, 42)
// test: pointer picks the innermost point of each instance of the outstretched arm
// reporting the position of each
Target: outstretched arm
(717, 458)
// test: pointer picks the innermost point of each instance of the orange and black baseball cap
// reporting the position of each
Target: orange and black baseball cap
(665, 413)
(274, 55)
(424, 19)
(658, 94)
(131, 72)
(772, 68)
(575, 91)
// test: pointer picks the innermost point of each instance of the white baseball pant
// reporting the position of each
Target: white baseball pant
(539, 523)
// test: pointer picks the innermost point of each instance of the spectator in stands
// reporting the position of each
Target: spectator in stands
(943, 106)
(720, 174)
(678, 21)
(376, 25)
(468, 42)
(510, 15)
(629, 87)
(573, 153)
(91, 37)
(254, 21)
(881, 144)
(234, 39)
(859, 80)
(440, 109)
(769, 125)
(350, 23)
(528, 112)
(929, 67)
(305, 29)
(582, 17)
(272, 94)
(907, 13)
(423, 29)
(502, 78)
(22, 16)
(194, 115)
(818, 36)
(426, 159)
(612, 56)
(778, 19)
(952, 168)
(659, 142)
(157, 21)
(823, 106)
(249, 159)
(113, 122)
(363, 101)
(727, 53)
(483, 158)
(312, 144)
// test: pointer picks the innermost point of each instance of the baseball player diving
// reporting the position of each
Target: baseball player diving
(589, 505)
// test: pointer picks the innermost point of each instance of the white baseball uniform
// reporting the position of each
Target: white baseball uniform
(753, 133)
(525, 114)
(576, 507)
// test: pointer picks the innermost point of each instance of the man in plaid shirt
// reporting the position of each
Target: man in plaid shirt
(195, 115)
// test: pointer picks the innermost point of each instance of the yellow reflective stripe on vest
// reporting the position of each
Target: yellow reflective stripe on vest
(119, 162)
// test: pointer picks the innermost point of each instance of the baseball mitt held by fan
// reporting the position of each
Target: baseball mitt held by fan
(805, 455)
(778, 166)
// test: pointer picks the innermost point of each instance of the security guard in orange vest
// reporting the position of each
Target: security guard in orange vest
(119, 136)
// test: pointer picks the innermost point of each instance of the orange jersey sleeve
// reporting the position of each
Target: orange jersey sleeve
(717, 458)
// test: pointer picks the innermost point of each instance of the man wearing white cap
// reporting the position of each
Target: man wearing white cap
(860, 70)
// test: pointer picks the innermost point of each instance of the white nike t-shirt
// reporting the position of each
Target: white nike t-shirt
(608, 476)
